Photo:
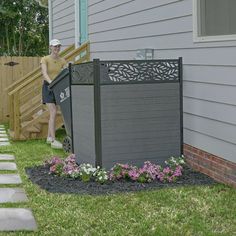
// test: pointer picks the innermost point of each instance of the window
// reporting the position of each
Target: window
(214, 20)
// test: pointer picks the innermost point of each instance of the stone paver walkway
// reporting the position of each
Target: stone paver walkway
(7, 166)
(12, 219)
(4, 143)
(12, 195)
(3, 139)
(10, 179)
(6, 157)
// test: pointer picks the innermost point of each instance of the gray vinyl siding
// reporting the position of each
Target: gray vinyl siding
(63, 21)
(117, 29)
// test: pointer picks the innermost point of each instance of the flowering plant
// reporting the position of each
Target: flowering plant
(56, 165)
(120, 171)
(173, 169)
(100, 175)
(86, 172)
(175, 161)
(147, 173)
(71, 169)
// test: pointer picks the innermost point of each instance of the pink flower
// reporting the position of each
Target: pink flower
(166, 170)
(134, 174)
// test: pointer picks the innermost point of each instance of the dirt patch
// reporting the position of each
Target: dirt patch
(55, 184)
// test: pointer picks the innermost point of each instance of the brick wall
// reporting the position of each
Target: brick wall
(219, 169)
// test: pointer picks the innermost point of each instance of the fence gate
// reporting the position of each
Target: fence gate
(12, 69)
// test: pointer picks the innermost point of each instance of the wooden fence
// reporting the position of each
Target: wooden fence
(12, 69)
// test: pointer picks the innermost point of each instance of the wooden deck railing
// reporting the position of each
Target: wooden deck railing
(25, 94)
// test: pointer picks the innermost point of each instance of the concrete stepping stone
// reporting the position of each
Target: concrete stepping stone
(2, 131)
(12, 195)
(3, 135)
(3, 139)
(2, 126)
(10, 179)
(4, 144)
(13, 219)
(6, 157)
(7, 166)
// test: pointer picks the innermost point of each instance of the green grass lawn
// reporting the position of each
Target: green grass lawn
(201, 210)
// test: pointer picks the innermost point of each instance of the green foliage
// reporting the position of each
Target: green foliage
(24, 28)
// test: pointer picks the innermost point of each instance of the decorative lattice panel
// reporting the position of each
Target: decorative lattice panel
(82, 73)
(139, 71)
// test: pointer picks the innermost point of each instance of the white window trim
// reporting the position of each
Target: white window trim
(77, 23)
(50, 20)
(197, 38)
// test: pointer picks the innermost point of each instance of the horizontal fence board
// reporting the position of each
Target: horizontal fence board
(129, 137)
(123, 127)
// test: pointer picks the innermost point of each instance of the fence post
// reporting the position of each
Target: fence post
(180, 64)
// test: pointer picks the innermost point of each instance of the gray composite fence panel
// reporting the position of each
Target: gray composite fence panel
(126, 111)
(83, 123)
(140, 122)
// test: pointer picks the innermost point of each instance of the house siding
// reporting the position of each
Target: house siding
(117, 29)
(63, 21)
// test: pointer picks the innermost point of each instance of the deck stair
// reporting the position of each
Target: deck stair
(28, 118)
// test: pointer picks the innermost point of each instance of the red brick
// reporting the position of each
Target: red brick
(216, 167)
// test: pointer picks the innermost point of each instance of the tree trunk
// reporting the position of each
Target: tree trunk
(7, 39)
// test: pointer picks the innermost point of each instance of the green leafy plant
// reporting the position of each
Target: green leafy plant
(86, 172)
(100, 175)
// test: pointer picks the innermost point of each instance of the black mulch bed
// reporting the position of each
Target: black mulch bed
(54, 184)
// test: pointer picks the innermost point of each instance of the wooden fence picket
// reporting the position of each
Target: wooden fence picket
(12, 69)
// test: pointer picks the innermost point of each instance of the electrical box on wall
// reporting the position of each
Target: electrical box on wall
(145, 54)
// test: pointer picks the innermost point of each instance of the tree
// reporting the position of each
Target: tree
(23, 28)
